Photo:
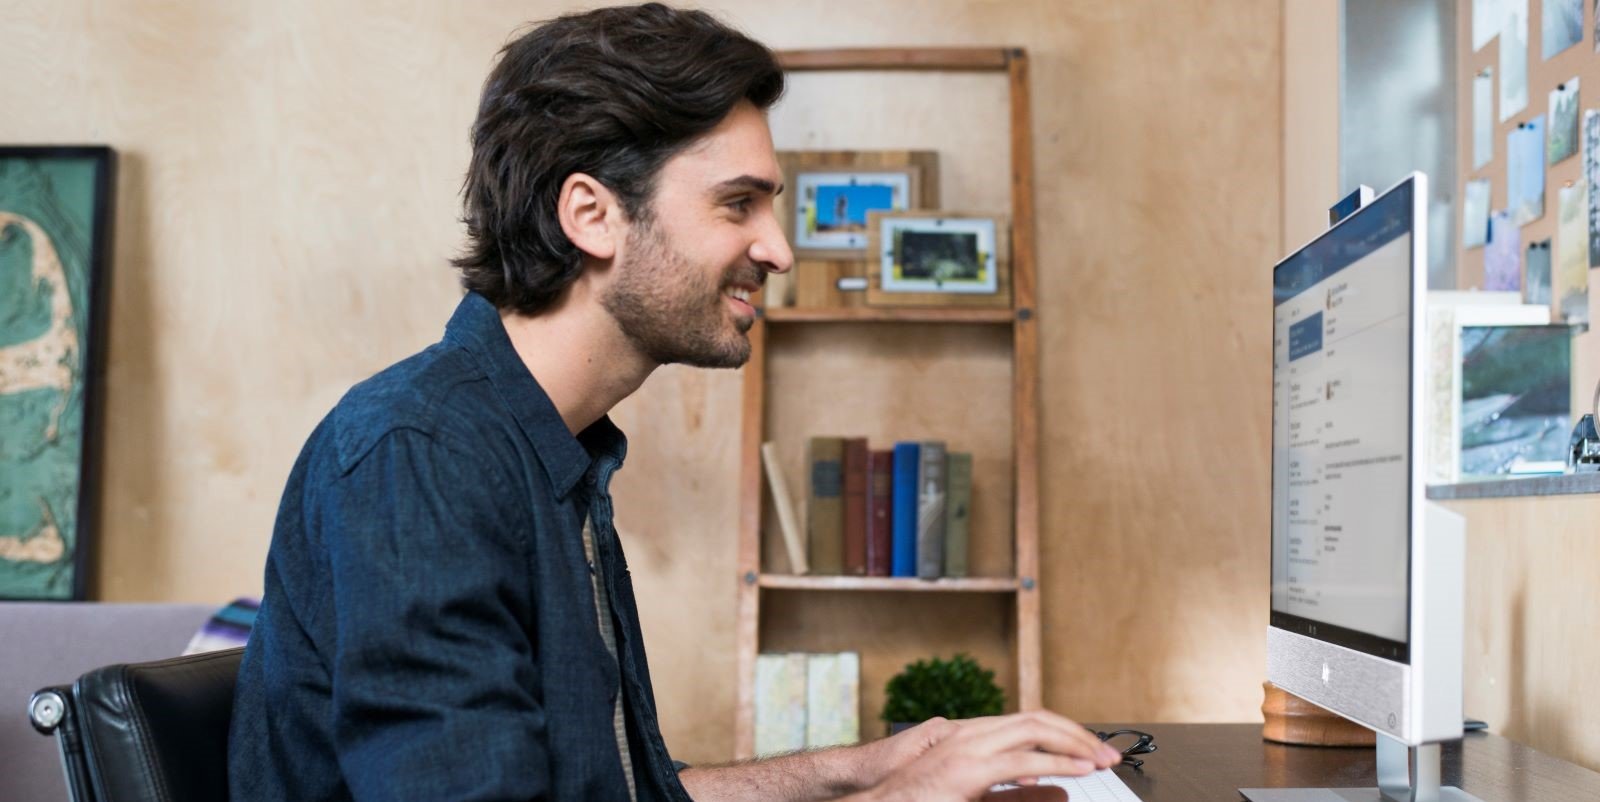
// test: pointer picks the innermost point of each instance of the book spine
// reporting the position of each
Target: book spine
(907, 461)
(788, 524)
(855, 506)
(781, 702)
(825, 509)
(880, 505)
(930, 511)
(833, 695)
(957, 512)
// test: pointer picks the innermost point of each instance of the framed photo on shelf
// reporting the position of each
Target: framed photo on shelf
(830, 193)
(55, 235)
(937, 258)
(831, 206)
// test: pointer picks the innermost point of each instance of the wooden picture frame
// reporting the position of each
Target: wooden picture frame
(913, 172)
(55, 241)
(983, 281)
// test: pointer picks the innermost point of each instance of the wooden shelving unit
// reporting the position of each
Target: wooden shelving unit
(862, 314)
(981, 584)
(1022, 319)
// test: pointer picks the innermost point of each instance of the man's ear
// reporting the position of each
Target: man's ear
(590, 215)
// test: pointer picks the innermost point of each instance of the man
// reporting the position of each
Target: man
(448, 613)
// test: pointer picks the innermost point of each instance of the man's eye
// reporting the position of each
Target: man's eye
(740, 205)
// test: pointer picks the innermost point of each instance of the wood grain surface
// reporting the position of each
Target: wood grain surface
(1530, 578)
(1209, 762)
(288, 201)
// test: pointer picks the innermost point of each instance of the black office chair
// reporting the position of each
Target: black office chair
(144, 732)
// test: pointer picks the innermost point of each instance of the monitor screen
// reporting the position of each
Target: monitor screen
(1341, 431)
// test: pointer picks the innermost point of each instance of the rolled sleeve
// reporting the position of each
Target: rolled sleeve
(433, 669)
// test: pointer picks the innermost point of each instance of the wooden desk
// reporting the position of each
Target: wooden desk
(1204, 762)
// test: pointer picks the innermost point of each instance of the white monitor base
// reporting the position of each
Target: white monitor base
(1405, 774)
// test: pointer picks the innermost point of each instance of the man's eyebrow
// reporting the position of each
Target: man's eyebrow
(749, 183)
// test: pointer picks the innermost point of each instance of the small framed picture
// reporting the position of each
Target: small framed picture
(830, 193)
(831, 207)
(935, 258)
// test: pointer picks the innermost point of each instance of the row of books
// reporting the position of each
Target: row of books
(898, 512)
(807, 701)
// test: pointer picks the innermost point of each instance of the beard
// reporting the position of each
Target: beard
(672, 311)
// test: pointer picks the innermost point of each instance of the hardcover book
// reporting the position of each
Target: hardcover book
(793, 540)
(957, 512)
(880, 505)
(855, 506)
(907, 461)
(780, 703)
(833, 692)
(825, 505)
(930, 511)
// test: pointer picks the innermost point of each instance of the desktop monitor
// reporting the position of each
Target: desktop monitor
(1366, 602)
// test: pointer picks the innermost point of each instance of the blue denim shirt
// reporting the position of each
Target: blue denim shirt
(428, 629)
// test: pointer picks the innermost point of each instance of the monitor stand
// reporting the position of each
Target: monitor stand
(1405, 774)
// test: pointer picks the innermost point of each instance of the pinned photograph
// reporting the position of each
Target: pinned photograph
(1561, 25)
(1513, 58)
(940, 258)
(1571, 274)
(1483, 117)
(1502, 266)
(1516, 399)
(829, 193)
(831, 207)
(1591, 173)
(1475, 214)
(1487, 16)
(1563, 142)
(938, 255)
(1536, 290)
(1525, 170)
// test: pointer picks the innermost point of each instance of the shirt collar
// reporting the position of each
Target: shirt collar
(476, 326)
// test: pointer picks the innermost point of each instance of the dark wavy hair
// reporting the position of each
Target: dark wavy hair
(613, 93)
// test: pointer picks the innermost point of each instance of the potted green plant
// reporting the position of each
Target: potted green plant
(955, 688)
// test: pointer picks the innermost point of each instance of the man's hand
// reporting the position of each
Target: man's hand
(948, 761)
(876, 760)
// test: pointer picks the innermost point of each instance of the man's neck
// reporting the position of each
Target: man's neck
(579, 356)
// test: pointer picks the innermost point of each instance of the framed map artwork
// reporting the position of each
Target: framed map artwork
(55, 232)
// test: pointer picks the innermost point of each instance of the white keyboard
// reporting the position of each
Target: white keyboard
(1101, 786)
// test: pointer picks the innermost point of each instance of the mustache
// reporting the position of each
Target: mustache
(747, 275)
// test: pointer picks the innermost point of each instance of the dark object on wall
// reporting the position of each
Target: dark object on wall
(55, 240)
(146, 731)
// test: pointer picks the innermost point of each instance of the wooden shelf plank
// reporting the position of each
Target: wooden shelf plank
(897, 58)
(1562, 485)
(978, 584)
(867, 314)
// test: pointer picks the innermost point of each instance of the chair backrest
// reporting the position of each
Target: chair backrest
(53, 643)
(145, 732)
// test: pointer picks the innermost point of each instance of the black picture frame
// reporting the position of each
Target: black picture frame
(80, 545)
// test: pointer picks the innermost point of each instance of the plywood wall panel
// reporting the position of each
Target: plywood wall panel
(891, 631)
(1531, 563)
(288, 200)
(891, 383)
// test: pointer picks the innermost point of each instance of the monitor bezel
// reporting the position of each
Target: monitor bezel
(1356, 640)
